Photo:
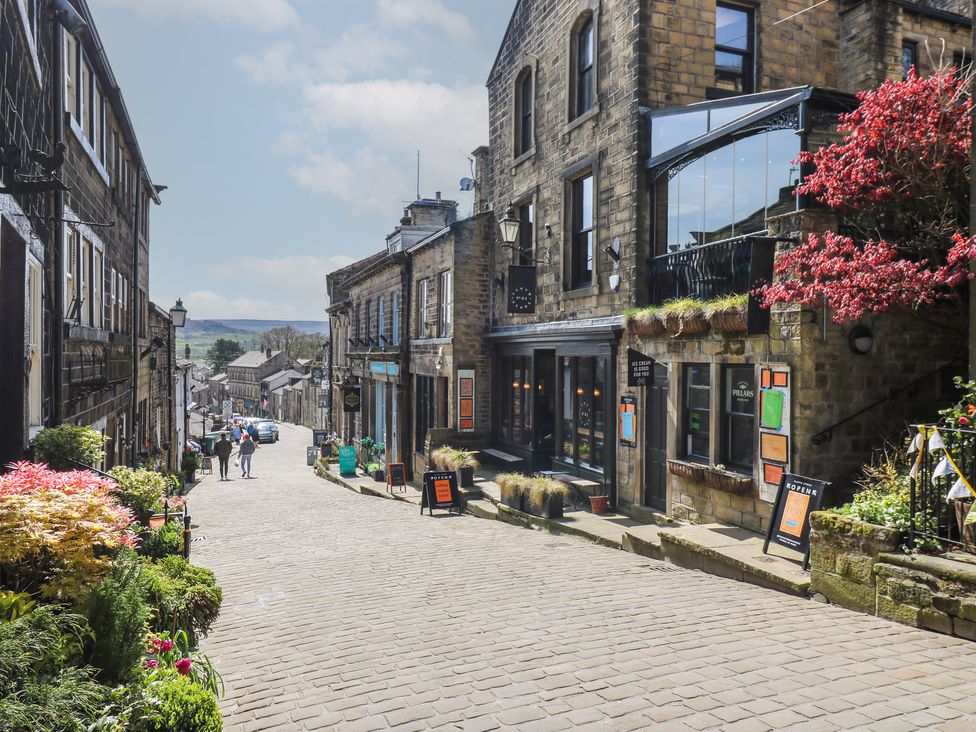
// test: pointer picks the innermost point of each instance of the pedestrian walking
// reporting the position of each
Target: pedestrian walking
(236, 434)
(223, 448)
(245, 451)
(252, 431)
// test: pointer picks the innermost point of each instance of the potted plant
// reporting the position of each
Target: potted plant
(645, 321)
(545, 497)
(684, 316)
(687, 470)
(366, 446)
(189, 465)
(728, 314)
(728, 481)
(513, 489)
(456, 460)
(598, 504)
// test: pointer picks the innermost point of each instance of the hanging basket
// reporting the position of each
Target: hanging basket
(723, 480)
(692, 323)
(689, 471)
(646, 327)
(731, 320)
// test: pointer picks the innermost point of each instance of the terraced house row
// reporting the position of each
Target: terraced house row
(75, 201)
(640, 153)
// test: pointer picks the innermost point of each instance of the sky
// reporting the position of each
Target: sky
(287, 133)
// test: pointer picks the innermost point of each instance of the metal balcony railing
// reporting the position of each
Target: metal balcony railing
(704, 273)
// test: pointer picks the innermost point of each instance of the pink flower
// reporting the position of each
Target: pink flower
(963, 420)
(151, 663)
(183, 666)
(154, 644)
(166, 646)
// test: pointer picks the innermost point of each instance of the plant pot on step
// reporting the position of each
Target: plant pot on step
(598, 504)
(689, 471)
(465, 476)
(727, 481)
(379, 475)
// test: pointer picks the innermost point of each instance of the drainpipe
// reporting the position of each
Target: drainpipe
(135, 315)
(57, 316)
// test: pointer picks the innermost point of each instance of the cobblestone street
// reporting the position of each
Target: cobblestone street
(346, 612)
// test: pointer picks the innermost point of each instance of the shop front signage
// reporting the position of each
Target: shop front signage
(347, 461)
(465, 400)
(640, 368)
(789, 524)
(440, 491)
(521, 288)
(351, 398)
(628, 421)
(319, 436)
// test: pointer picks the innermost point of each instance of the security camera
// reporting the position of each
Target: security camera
(69, 18)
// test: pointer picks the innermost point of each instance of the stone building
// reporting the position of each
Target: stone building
(646, 151)
(160, 360)
(244, 376)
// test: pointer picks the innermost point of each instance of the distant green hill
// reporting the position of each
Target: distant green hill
(200, 334)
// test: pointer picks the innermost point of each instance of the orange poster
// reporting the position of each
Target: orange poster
(794, 513)
(442, 491)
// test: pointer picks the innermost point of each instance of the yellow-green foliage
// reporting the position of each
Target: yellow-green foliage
(540, 490)
(727, 302)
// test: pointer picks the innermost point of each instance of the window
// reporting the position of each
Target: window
(584, 413)
(909, 57)
(425, 410)
(516, 407)
(34, 319)
(422, 309)
(698, 392)
(526, 242)
(583, 70)
(98, 302)
(581, 259)
(358, 329)
(367, 321)
(396, 319)
(739, 416)
(71, 273)
(445, 312)
(523, 113)
(734, 64)
(381, 320)
(85, 282)
(70, 72)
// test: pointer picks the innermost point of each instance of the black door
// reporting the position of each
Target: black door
(656, 442)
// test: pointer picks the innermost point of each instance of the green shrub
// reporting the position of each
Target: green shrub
(140, 489)
(161, 542)
(59, 446)
(117, 613)
(189, 463)
(14, 604)
(187, 597)
(182, 705)
(40, 688)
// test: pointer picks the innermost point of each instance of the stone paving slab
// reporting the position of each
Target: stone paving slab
(345, 612)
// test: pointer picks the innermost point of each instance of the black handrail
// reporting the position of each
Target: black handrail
(825, 435)
(82, 466)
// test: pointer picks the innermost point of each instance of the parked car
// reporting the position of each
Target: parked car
(267, 432)
(274, 426)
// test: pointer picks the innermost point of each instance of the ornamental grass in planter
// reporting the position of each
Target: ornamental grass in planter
(645, 321)
(513, 487)
(456, 460)
(684, 316)
(689, 471)
(728, 314)
(545, 497)
(728, 481)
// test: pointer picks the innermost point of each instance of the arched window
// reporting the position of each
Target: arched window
(584, 61)
(524, 98)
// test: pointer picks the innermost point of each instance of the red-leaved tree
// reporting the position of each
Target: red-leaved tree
(900, 179)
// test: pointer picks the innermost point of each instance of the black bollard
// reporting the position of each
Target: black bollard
(186, 535)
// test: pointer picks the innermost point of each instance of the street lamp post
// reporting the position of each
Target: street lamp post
(177, 316)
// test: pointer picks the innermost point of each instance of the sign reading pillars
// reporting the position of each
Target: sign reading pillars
(774, 427)
(465, 398)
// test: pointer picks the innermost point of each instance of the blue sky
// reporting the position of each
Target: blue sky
(287, 133)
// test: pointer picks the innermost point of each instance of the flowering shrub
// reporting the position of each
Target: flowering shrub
(57, 530)
(962, 415)
(164, 654)
(140, 489)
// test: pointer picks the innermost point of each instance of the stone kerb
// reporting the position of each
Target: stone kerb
(843, 554)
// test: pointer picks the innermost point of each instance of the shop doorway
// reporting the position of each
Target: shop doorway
(656, 440)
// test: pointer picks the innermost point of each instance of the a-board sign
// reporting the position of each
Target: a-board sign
(319, 436)
(640, 368)
(789, 524)
(396, 476)
(347, 461)
(440, 491)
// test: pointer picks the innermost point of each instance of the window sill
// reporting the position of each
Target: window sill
(79, 133)
(527, 155)
(585, 117)
(582, 291)
(442, 341)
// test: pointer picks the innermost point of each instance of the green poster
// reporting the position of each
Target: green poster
(347, 460)
(772, 409)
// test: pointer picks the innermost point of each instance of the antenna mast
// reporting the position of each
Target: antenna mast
(418, 175)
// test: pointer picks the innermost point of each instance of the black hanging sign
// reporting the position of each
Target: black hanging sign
(789, 524)
(640, 368)
(440, 491)
(521, 288)
(350, 398)
(396, 476)
(317, 373)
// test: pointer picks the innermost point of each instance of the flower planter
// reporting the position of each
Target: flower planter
(689, 471)
(158, 519)
(732, 320)
(465, 476)
(379, 475)
(551, 507)
(683, 324)
(512, 497)
(646, 327)
(598, 504)
(723, 480)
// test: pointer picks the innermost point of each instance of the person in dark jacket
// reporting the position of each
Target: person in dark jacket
(246, 450)
(252, 430)
(223, 448)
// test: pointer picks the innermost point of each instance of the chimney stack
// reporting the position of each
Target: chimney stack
(437, 196)
(269, 353)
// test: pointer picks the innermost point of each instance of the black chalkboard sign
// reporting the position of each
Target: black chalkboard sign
(319, 436)
(440, 491)
(789, 524)
(396, 476)
(640, 368)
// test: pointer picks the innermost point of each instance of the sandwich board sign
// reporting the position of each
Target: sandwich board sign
(440, 491)
(347, 461)
(789, 524)
(396, 476)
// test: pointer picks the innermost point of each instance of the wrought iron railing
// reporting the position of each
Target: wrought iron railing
(704, 272)
(941, 493)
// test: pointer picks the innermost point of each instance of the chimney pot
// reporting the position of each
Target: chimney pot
(437, 196)
(269, 353)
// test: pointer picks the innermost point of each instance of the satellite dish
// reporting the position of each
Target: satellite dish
(467, 184)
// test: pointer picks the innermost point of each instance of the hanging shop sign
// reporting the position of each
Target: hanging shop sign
(628, 421)
(317, 374)
(465, 400)
(521, 288)
(351, 398)
(440, 491)
(789, 524)
(347, 461)
(396, 476)
(640, 368)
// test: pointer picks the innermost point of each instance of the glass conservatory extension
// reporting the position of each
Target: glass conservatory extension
(718, 171)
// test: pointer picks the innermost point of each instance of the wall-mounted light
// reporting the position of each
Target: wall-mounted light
(860, 339)
(510, 226)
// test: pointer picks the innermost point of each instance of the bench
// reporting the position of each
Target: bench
(502, 457)
(581, 488)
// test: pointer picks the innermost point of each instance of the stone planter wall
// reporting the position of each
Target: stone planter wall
(859, 566)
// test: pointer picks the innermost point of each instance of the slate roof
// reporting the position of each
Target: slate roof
(253, 358)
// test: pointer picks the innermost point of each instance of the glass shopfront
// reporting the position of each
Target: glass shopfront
(583, 397)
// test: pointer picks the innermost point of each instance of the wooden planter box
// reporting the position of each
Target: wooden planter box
(690, 471)
(733, 320)
(677, 324)
(513, 498)
(723, 480)
(551, 508)
(465, 477)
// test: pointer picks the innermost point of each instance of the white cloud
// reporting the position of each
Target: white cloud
(275, 65)
(367, 181)
(205, 304)
(425, 13)
(258, 14)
